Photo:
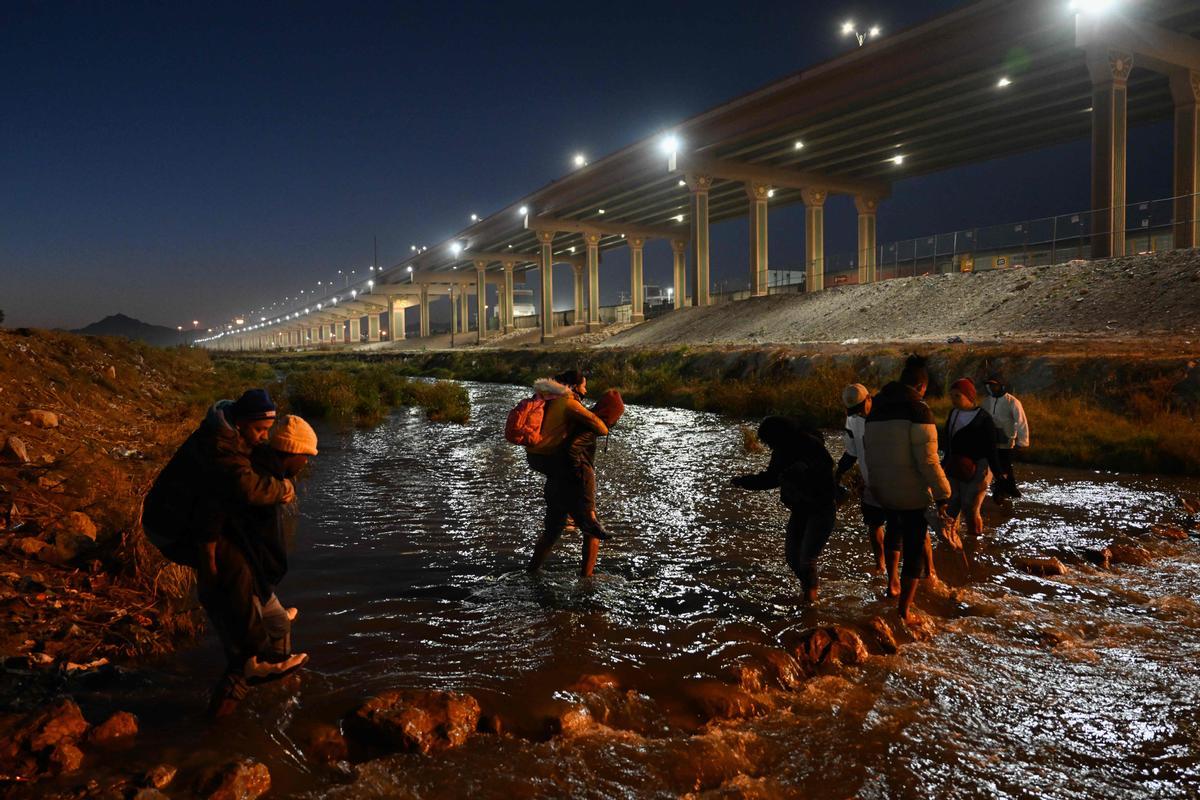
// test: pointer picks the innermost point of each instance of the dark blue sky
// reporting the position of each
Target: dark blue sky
(179, 161)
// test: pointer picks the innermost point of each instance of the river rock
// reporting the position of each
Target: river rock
(42, 419)
(65, 758)
(716, 700)
(59, 723)
(411, 719)
(1169, 532)
(149, 793)
(784, 669)
(1130, 554)
(1041, 566)
(243, 779)
(884, 635)
(1101, 557)
(745, 673)
(575, 720)
(30, 546)
(74, 535)
(594, 683)
(15, 449)
(159, 777)
(828, 646)
(120, 728)
(327, 744)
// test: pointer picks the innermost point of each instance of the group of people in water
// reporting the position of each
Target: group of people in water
(907, 484)
(225, 505)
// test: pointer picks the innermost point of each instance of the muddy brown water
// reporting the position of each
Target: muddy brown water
(408, 572)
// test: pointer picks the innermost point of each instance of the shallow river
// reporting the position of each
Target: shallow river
(408, 572)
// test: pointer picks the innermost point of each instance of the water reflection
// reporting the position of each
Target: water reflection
(409, 572)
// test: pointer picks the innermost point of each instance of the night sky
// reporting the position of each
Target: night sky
(178, 161)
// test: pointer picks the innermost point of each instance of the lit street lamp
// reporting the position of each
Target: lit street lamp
(848, 27)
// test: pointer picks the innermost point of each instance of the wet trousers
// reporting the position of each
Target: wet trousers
(569, 493)
(1006, 481)
(246, 625)
(905, 533)
(808, 530)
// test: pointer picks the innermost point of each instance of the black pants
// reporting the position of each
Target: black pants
(905, 533)
(236, 613)
(808, 531)
(1006, 481)
(569, 492)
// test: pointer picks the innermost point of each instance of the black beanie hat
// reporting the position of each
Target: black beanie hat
(571, 377)
(253, 404)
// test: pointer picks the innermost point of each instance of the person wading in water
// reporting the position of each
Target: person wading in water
(564, 417)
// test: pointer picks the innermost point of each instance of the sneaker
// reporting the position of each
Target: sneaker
(259, 671)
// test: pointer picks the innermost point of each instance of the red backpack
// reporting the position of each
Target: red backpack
(524, 424)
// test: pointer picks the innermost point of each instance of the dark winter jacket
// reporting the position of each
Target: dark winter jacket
(800, 466)
(208, 474)
(976, 440)
(901, 445)
(264, 533)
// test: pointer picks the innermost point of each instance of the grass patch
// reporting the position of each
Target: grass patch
(367, 394)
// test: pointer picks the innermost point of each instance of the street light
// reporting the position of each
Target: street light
(580, 160)
(848, 27)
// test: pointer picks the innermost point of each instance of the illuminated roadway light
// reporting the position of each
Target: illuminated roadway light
(523, 210)
(770, 192)
(474, 218)
(874, 32)
(600, 211)
(456, 248)
(1003, 82)
(682, 182)
(371, 284)
(897, 160)
(799, 145)
(579, 160)
(353, 293)
(410, 268)
(670, 144)
(679, 217)
(412, 247)
(1091, 6)
(847, 27)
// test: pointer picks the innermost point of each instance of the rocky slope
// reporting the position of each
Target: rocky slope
(1139, 297)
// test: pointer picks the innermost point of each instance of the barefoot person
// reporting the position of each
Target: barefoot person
(564, 416)
(969, 442)
(857, 400)
(802, 469)
(902, 462)
(252, 550)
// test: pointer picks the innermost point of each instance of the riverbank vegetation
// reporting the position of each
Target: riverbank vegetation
(364, 394)
(1120, 413)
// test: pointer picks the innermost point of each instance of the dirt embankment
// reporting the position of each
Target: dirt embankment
(85, 425)
(1136, 297)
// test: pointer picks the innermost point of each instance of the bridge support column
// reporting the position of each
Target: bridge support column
(546, 265)
(1185, 88)
(679, 251)
(424, 330)
(758, 194)
(867, 208)
(1109, 70)
(577, 285)
(814, 239)
(481, 300)
(637, 285)
(396, 321)
(314, 336)
(355, 335)
(592, 268)
(373, 326)
(507, 304)
(454, 311)
(700, 185)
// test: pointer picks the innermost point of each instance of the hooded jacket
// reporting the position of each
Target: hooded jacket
(563, 416)
(263, 533)
(1009, 417)
(901, 451)
(800, 466)
(209, 473)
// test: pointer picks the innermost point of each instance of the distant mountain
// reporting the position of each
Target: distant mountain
(130, 328)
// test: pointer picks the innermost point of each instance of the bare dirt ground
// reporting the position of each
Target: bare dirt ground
(1139, 301)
